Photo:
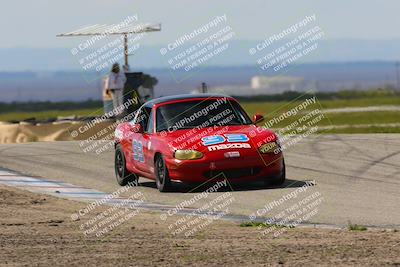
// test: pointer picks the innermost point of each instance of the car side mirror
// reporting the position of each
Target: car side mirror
(137, 128)
(258, 118)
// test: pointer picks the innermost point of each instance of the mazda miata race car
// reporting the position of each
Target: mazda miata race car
(195, 139)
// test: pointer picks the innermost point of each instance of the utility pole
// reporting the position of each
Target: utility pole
(397, 76)
(203, 87)
(126, 51)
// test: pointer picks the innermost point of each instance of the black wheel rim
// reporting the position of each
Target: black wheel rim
(160, 171)
(119, 164)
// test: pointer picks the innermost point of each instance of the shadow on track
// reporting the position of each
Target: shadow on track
(196, 188)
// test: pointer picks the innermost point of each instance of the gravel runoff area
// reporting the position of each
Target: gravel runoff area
(38, 230)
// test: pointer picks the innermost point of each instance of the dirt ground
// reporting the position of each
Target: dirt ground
(37, 230)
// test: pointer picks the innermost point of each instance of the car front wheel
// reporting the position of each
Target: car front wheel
(163, 181)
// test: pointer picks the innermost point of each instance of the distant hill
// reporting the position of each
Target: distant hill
(345, 50)
(76, 86)
(54, 74)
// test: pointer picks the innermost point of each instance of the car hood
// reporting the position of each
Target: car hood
(194, 138)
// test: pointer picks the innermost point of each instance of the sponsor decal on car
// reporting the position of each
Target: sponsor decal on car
(235, 141)
(229, 146)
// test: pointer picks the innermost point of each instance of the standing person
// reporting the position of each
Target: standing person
(116, 82)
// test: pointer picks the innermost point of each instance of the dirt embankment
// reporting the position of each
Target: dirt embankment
(62, 131)
(37, 230)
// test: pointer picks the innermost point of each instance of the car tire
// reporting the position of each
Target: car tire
(279, 180)
(122, 174)
(163, 181)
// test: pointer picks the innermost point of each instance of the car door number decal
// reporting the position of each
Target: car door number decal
(219, 139)
(137, 148)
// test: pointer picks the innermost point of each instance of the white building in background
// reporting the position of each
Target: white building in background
(267, 85)
(277, 84)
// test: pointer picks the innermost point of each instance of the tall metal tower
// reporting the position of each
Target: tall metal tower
(114, 29)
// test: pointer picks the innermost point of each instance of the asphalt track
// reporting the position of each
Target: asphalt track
(356, 175)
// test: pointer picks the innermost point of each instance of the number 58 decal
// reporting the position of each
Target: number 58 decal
(218, 139)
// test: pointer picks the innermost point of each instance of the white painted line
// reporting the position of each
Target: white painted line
(78, 193)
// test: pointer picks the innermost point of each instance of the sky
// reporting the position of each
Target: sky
(27, 23)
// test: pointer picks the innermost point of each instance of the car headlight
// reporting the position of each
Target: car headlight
(270, 147)
(187, 154)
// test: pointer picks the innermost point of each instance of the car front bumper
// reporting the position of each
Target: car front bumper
(246, 169)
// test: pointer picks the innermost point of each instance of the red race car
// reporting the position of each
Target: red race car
(195, 139)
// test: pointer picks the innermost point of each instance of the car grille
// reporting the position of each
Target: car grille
(233, 173)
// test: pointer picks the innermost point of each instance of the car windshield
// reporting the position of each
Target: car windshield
(200, 114)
